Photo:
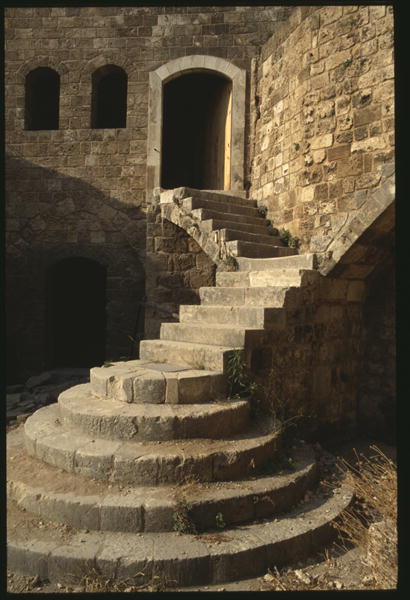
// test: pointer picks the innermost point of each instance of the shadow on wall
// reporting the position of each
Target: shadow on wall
(73, 256)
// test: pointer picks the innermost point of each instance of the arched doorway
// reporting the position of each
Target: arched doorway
(228, 77)
(196, 132)
(76, 298)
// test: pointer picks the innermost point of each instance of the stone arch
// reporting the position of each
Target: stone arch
(43, 61)
(182, 66)
(101, 61)
(373, 221)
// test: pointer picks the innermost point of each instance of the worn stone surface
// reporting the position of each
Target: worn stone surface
(238, 552)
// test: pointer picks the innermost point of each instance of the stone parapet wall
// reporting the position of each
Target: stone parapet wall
(176, 268)
(323, 109)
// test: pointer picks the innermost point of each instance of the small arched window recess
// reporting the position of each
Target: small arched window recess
(42, 92)
(109, 98)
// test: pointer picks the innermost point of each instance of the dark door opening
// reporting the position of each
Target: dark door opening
(76, 298)
(196, 132)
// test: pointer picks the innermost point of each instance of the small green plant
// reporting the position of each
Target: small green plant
(296, 146)
(288, 239)
(347, 62)
(108, 364)
(182, 521)
(272, 229)
(219, 520)
(240, 384)
(263, 211)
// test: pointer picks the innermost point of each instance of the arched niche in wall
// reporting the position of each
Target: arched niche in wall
(109, 98)
(196, 115)
(42, 99)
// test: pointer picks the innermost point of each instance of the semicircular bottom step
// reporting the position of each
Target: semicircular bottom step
(37, 547)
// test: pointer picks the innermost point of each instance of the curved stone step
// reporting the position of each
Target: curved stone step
(107, 418)
(247, 316)
(38, 547)
(217, 334)
(248, 249)
(242, 226)
(273, 296)
(142, 381)
(193, 204)
(146, 463)
(178, 194)
(89, 504)
(258, 237)
(204, 214)
(196, 356)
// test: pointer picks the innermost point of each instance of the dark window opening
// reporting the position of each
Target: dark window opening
(194, 148)
(76, 319)
(42, 99)
(109, 98)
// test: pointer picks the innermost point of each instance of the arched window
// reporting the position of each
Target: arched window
(42, 99)
(109, 98)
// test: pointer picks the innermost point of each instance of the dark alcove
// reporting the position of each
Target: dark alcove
(196, 130)
(76, 299)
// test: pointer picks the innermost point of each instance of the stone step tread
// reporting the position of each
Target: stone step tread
(253, 280)
(145, 382)
(272, 296)
(114, 419)
(177, 195)
(152, 462)
(242, 248)
(205, 214)
(240, 235)
(216, 333)
(91, 504)
(195, 355)
(300, 261)
(259, 229)
(257, 317)
(191, 204)
(39, 547)
(216, 326)
(219, 195)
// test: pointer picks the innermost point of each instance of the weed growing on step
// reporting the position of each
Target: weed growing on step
(271, 229)
(240, 384)
(219, 521)
(182, 519)
(288, 239)
(262, 211)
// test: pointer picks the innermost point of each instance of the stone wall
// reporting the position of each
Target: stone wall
(78, 191)
(309, 364)
(377, 392)
(323, 109)
(52, 217)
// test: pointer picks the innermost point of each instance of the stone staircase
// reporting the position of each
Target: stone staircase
(149, 470)
(223, 225)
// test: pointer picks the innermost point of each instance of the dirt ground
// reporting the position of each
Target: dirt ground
(336, 568)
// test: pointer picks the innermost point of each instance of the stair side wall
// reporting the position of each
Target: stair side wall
(176, 267)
